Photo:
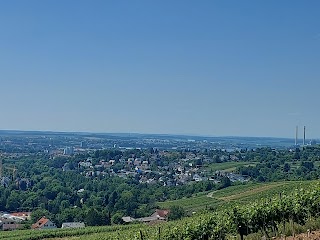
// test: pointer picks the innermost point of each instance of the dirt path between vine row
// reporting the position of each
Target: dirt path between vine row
(314, 235)
(246, 193)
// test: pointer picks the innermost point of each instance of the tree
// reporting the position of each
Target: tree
(117, 218)
(308, 165)
(225, 182)
(92, 218)
(286, 167)
(13, 202)
(105, 218)
(39, 213)
(217, 159)
(176, 212)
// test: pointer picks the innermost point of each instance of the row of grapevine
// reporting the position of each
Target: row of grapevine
(61, 233)
(267, 215)
(264, 215)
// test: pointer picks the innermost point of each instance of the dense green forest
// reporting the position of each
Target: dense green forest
(300, 164)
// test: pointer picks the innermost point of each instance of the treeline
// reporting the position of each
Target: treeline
(272, 165)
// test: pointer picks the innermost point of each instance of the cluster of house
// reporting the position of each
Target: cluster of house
(132, 167)
(21, 183)
(14, 221)
(158, 215)
(151, 170)
(45, 223)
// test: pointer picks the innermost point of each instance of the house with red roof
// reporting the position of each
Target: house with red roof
(161, 213)
(43, 223)
(22, 215)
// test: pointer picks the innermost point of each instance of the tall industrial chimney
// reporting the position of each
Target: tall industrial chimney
(0, 168)
(304, 135)
(296, 141)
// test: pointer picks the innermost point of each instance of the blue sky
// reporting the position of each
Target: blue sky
(220, 68)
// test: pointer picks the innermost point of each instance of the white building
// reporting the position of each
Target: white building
(43, 223)
(68, 151)
(73, 225)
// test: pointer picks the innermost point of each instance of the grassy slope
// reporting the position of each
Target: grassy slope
(241, 194)
(234, 194)
(227, 166)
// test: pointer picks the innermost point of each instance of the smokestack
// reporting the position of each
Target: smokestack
(0, 168)
(304, 135)
(296, 141)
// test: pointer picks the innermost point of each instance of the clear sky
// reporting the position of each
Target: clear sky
(220, 68)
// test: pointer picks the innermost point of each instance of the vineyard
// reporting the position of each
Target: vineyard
(235, 194)
(282, 205)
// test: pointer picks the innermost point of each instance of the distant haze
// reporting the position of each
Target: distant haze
(218, 68)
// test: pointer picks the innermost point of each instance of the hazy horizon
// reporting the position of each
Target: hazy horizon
(300, 137)
(213, 68)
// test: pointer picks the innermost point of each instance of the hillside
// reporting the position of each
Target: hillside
(235, 194)
(221, 199)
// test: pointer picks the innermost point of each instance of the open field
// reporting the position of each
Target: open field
(227, 166)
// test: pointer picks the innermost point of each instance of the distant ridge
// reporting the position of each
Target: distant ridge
(48, 132)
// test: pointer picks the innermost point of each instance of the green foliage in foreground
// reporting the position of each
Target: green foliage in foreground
(265, 215)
